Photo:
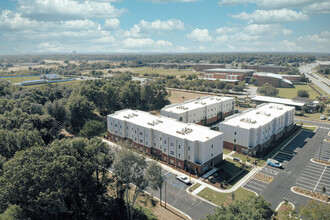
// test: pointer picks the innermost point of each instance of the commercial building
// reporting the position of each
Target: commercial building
(202, 67)
(228, 74)
(324, 64)
(267, 68)
(252, 131)
(204, 111)
(274, 79)
(268, 99)
(186, 146)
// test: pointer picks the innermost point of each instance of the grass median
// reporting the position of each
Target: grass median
(219, 198)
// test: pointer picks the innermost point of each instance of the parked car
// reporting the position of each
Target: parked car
(322, 117)
(329, 118)
(183, 179)
(274, 163)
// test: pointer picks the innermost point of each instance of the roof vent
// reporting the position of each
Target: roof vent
(185, 131)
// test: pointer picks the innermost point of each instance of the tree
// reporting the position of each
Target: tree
(13, 212)
(91, 129)
(80, 110)
(315, 210)
(268, 90)
(303, 93)
(58, 181)
(254, 207)
(155, 178)
(129, 168)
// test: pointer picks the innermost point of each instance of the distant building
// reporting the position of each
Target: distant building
(266, 68)
(324, 64)
(186, 146)
(204, 111)
(202, 67)
(289, 102)
(50, 77)
(228, 74)
(273, 79)
(252, 131)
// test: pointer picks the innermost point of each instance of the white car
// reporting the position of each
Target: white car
(322, 117)
(183, 178)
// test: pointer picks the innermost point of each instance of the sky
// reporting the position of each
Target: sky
(163, 26)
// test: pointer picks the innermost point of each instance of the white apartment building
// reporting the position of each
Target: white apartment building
(187, 146)
(205, 110)
(253, 130)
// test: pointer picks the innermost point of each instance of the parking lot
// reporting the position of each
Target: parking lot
(262, 179)
(317, 176)
(267, 174)
(293, 147)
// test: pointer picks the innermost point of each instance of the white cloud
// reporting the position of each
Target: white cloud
(111, 24)
(67, 9)
(200, 35)
(155, 27)
(317, 8)
(272, 16)
(315, 42)
(272, 4)
(266, 29)
(169, 1)
(14, 21)
(145, 43)
(226, 30)
(158, 25)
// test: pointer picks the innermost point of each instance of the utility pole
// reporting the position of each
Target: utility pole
(165, 193)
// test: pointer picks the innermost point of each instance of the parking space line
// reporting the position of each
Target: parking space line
(255, 188)
(257, 184)
(321, 176)
(312, 175)
(307, 179)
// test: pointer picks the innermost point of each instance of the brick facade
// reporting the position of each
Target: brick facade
(185, 165)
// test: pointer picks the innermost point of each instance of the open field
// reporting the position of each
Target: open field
(68, 83)
(21, 79)
(252, 160)
(290, 93)
(160, 71)
(315, 117)
(179, 96)
(224, 198)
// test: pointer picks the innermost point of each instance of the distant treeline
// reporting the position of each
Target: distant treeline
(261, 58)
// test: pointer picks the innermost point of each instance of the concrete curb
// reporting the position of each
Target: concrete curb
(307, 195)
(279, 205)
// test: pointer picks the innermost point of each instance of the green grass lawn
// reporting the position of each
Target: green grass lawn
(68, 83)
(308, 126)
(290, 93)
(224, 198)
(249, 159)
(226, 151)
(21, 79)
(195, 186)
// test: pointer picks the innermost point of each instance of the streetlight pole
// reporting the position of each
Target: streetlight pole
(165, 193)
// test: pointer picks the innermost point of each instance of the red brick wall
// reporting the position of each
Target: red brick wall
(211, 120)
(230, 146)
(273, 81)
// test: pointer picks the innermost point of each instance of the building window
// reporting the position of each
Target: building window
(235, 140)
(172, 144)
(211, 155)
(141, 133)
(188, 157)
(189, 148)
(127, 127)
(164, 141)
(116, 125)
(172, 152)
(141, 141)
(160, 138)
(179, 155)
(120, 126)
(135, 132)
(146, 142)
(111, 123)
(235, 133)
(212, 146)
(179, 146)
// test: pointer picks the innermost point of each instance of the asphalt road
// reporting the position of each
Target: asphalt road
(320, 124)
(316, 79)
(177, 196)
(280, 188)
